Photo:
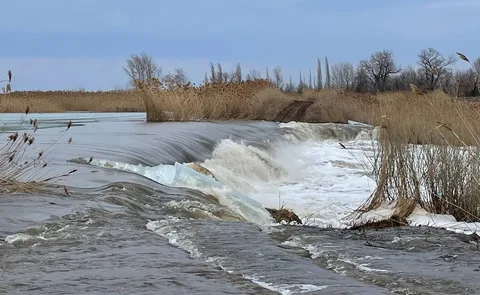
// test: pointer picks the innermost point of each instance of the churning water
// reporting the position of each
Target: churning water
(139, 220)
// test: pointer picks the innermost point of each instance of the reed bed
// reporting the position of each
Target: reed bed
(255, 100)
(427, 155)
(250, 100)
(68, 101)
(338, 106)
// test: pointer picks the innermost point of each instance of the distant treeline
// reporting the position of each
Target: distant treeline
(378, 73)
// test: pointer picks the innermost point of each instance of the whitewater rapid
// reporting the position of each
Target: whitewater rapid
(307, 170)
(323, 172)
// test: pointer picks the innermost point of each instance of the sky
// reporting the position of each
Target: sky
(68, 45)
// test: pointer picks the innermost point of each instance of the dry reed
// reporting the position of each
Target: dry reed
(428, 155)
(339, 106)
(257, 100)
(69, 101)
(250, 100)
(18, 171)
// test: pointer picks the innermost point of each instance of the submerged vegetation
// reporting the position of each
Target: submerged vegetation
(284, 215)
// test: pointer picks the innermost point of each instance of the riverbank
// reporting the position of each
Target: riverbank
(72, 101)
(213, 103)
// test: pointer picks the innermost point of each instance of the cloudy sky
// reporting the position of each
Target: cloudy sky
(60, 44)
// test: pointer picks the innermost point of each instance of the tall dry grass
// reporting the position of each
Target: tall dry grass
(428, 155)
(19, 170)
(67, 101)
(251, 100)
(336, 106)
(257, 100)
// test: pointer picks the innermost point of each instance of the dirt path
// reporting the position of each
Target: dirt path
(293, 112)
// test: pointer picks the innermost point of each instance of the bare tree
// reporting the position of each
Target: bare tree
(310, 81)
(141, 67)
(220, 74)
(227, 77)
(301, 84)
(205, 79)
(379, 68)
(343, 76)
(476, 70)
(433, 65)
(476, 65)
(277, 77)
(361, 80)
(319, 75)
(465, 82)
(176, 79)
(327, 74)
(253, 74)
(408, 76)
(448, 82)
(290, 87)
(267, 73)
(237, 74)
(213, 73)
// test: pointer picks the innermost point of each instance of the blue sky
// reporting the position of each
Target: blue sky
(60, 44)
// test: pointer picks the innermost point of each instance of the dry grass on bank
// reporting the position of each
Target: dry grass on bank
(215, 101)
(67, 101)
(428, 154)
(19, 170)
(258, 100)
(339, 106)
(251, 100)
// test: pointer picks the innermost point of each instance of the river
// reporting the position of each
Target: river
(137, 220)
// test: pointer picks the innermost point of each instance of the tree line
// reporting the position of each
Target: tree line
(379, 73)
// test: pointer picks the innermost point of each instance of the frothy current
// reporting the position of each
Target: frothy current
(139, 221)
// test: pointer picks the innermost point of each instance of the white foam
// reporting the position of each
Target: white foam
(319, 180)
(180, 175)
(285, 289)
(420, 217)
(317, 250)
(194, 207)
(166, 229)
(170, 229)
(20, 237)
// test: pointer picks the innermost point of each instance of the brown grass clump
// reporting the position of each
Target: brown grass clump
(19, 172)
(284, 214)
(428, 155)
(69, 101)
(200, 169)
(393, 221)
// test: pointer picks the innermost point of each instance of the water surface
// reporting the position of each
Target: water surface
(122, 231)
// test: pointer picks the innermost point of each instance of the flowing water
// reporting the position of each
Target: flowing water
(136, 220)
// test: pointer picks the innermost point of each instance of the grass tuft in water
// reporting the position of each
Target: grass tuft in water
(19, 170)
